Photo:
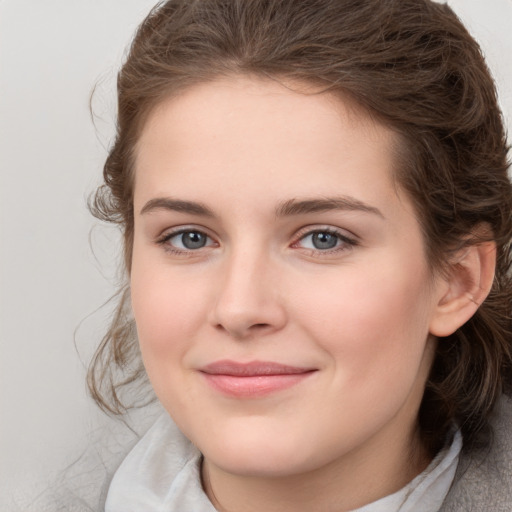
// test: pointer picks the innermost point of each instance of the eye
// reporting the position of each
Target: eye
(321, 240)
(190, 240)
(185, 240)
(325, 240)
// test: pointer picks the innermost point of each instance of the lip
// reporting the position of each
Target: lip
(253, 379)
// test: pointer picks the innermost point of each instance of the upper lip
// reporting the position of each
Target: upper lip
(252, 368)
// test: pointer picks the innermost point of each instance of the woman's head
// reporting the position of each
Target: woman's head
(411, 67)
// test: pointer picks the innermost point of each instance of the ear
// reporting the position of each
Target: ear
(465, 287)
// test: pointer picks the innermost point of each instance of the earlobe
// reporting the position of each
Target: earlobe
(464, 289)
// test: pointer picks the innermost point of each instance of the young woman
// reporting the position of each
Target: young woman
(317, 226)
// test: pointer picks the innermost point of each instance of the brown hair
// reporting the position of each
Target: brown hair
(412, 64)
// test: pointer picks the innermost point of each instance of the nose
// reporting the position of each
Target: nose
(247, 302)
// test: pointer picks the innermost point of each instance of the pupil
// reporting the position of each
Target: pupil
(324, 240)
(193, 240)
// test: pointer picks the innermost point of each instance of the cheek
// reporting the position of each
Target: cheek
(168, 308)
(373, 330)
(372, 318)
(168, 314)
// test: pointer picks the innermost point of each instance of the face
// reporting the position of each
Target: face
(279, 282)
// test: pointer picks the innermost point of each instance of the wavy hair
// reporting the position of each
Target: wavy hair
(410, 63)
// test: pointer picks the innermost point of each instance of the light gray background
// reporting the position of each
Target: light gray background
(52, 54)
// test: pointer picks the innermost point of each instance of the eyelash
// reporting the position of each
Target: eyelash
(164, 241)
(344, 242)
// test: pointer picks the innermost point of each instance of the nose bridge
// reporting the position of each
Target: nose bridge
(247, 298)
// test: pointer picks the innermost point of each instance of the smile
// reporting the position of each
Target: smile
(254, 379)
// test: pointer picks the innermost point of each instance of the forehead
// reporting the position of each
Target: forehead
(276, 139)
(250, 103)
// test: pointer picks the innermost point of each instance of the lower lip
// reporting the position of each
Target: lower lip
(253, 386)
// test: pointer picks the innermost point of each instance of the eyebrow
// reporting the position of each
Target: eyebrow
(177, 205)
(305, 206)
(286, 209)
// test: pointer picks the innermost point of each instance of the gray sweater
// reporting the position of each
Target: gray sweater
(483, 481)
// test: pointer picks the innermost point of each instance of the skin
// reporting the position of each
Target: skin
(361, 315)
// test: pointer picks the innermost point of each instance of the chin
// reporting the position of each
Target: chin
(263, 454)
(259, 464)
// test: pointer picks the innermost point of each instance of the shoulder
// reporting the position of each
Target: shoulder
(82, 485)
(483, 479)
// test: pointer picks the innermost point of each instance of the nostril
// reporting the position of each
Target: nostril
(247, 332)
(259, 327)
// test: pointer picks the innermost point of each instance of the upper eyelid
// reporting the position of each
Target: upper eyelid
(343, 233)
(170, 232)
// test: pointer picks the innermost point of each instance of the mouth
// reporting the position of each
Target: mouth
(254, 379)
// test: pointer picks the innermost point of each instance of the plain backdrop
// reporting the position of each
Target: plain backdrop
(57, 264)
